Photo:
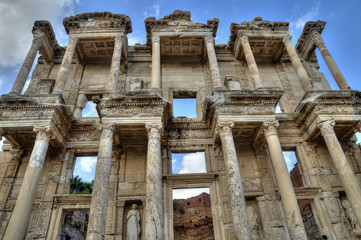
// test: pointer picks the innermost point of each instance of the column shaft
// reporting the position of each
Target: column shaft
(212, 60)
(251, 62)
(65, 66)
(155, 80)
(336, 73)
(28, 63)
(154, 200)
(344, 170)
(115, 66)
(99, 202)
(18, 224)
(238, 201)
(288, 196)
(297, 64)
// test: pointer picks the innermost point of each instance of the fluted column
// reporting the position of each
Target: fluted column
(154, 200)
(99, 201)
(344, 170)
(28, 63)
(63, 73)
(251, 62)
(20, 217)
(212, 59)
(297, 64)
(155, 80)
(288, 196)
(234, 180)
(336, 73)
(115, 66)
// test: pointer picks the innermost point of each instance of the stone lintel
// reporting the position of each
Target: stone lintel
(50, 42)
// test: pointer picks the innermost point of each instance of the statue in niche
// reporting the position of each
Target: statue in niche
(351, 215)
(253, 222)
(133, 227)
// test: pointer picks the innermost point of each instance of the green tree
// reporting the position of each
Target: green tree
(78, 186)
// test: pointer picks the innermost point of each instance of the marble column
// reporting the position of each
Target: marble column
(115, 66)
(288, 196)
(155, 77)
(212, 59)
(63, 73)
(99, 201)
(344, 170)
(297, 64)
(251, 62)
(336, 73)
(80, 105)
(238, 201)
(28, 63)
(154, 200)
(18, 224)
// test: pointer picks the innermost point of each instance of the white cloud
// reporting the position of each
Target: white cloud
(154, 10)
(187, 193)
(193, 163)
(87, 164)
(132, 40)
(290, 158)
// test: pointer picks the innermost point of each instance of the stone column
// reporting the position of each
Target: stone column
(336, 73)
(99, 201)
(114, 69)
(63, 73)
(80, 105)
(251, 62)
(28, 63)
(154, 200)
(347, 176)
(288, 196)
(238, 201)
(300, 70)
(20, 217)
(212, 59)
(155, 80)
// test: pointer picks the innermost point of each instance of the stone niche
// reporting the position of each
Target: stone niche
(127, 207)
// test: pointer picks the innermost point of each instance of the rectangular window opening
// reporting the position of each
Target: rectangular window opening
(75, 224)
(185, 107)
(293, 168)
(90, 110)
(188, 163)
(83, 175)
(192, 214)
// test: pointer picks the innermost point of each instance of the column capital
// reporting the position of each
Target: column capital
(317, 39)
(16, 154)
(106, 129)
(286, 39)
(119, 37)
(155, 38)
(269, 128)
(224, 128)
(38, 39)
(208, 38)
(244, 38)
(154, 128)
(326, 127)
(43, 133)
(72, 39)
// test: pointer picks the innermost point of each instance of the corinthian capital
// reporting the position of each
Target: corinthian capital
(209, 38)
(72, 40)
(155, 38)
(154, 128)
(270, 128)
(43, 133)
(326, 127)
(106, 130)
(317, 39)
(286, 39)
(224, 128)
(244, 38)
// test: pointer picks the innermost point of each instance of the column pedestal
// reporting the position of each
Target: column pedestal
(344, 170)
(154, 201)
(335, 71)
(65, 66)
(238, 201)
(288, 197)
(300, 70)
(251, 62)
(155, 80)
(28, 63)
(114, 69)
(212, 60)
(99, 202)
(18, 224)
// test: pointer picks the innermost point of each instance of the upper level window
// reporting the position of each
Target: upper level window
(188, 163)
(185, 107)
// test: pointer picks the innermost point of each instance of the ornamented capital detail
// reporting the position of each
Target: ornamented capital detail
(73, 40)
(244, 38)
(154, 128)
(43, 133)
(286, 39)
(224, 128)
(155, 38)
(16, 154)
(317, 39)
(107, 130)
(208, 38)
(326, 127)
(270, 128)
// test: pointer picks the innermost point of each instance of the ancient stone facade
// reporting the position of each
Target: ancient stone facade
(236, 86)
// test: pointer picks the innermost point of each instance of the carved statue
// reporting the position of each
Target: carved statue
(133, 227)
(253, 222)
(350, 215)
